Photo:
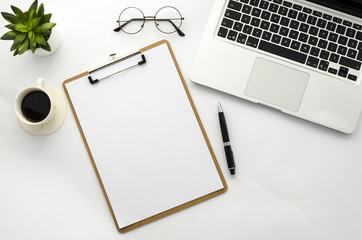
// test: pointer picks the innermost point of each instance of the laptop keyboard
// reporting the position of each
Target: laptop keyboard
(319, 40)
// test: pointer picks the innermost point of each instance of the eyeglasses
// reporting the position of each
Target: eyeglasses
(167, 20)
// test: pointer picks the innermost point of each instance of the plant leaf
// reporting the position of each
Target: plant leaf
(19, 14)
(10, 26)
(48, 26)
(10, 18)
(20, 38)
(32, 48)
(40, 11)
(33, 7)
(32, 11)
(21, 28)
(14, 46)
(47, 47)
(24, 46)
(42, 31)
(40, 40)
(31, 36)
(34, 23)
(45, 19)
(9, 35)
(16, 52)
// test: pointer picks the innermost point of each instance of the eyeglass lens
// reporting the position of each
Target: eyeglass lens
(168, 19)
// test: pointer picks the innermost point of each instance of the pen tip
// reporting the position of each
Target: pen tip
(219, 106)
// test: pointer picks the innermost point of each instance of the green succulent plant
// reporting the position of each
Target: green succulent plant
(28, 30)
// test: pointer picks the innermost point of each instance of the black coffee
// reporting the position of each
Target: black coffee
(35, 106)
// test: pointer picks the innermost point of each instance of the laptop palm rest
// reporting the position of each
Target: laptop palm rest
(276, 84)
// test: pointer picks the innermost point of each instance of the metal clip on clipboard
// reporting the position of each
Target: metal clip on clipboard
(114, 61)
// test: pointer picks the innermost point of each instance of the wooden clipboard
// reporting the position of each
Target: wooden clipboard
(167, 212)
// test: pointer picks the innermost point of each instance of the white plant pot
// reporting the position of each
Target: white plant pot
(54, 41)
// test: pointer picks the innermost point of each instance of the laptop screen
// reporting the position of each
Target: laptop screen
(353, 7)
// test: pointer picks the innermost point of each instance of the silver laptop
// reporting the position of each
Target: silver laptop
(300, 57)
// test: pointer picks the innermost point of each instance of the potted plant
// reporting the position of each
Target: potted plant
(30, 30)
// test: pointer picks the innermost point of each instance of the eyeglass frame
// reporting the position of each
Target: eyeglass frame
(151, 18)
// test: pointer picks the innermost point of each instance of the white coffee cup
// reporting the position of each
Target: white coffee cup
(37, 108)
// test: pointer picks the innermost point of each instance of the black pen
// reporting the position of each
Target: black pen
(225, 139)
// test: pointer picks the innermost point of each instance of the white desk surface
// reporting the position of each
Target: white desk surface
(295, 179)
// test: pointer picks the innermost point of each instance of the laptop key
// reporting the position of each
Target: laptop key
(232, 35)
(347, 23)
(334, 58)
(238, 26)
(232, 14)
(342, 40)
(276, 38)
(252, 42)
(305, 48)
(283, 11)
(274, 28)
(314, 51)
(342, 50)
(256, 12)
(227, 23)
(285, 42)
(337, 20)
(282, 51)
(295, 45)
(307, 10)
(343, 72)
(321, 23)
(341, 29)
(350, 63)
(332, 70)
(264, 25)
(246, 9)
(312, 20)
(273, 7)
(292, 14)
(266, 35)
(303, 37)
(242, 38)
(332, 47)
(257, 32)
(350, 32)
(247, 29)
(254, 2)
(324, 55)
(323, 65)
(222, 32)
(312, 61)
(264, 4)
(245, 19)
(352, 77)
(359, 36)
(234, 5)
(357, 26)
(332, 37)
(351, 53)
(297, 7)
(359, 56)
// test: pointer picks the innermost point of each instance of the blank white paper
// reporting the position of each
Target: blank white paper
(144, 138)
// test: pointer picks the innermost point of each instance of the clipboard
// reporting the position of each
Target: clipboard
(137, 193)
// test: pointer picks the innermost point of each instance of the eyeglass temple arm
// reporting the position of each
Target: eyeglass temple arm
(124, 24)
(181, 33)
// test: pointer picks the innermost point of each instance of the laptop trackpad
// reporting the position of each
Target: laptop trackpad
(277, 84)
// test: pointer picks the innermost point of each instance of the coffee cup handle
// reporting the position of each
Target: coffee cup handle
(41, 83)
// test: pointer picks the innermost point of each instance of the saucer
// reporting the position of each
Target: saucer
(58, 118)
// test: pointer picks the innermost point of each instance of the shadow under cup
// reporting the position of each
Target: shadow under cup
(35, 106)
